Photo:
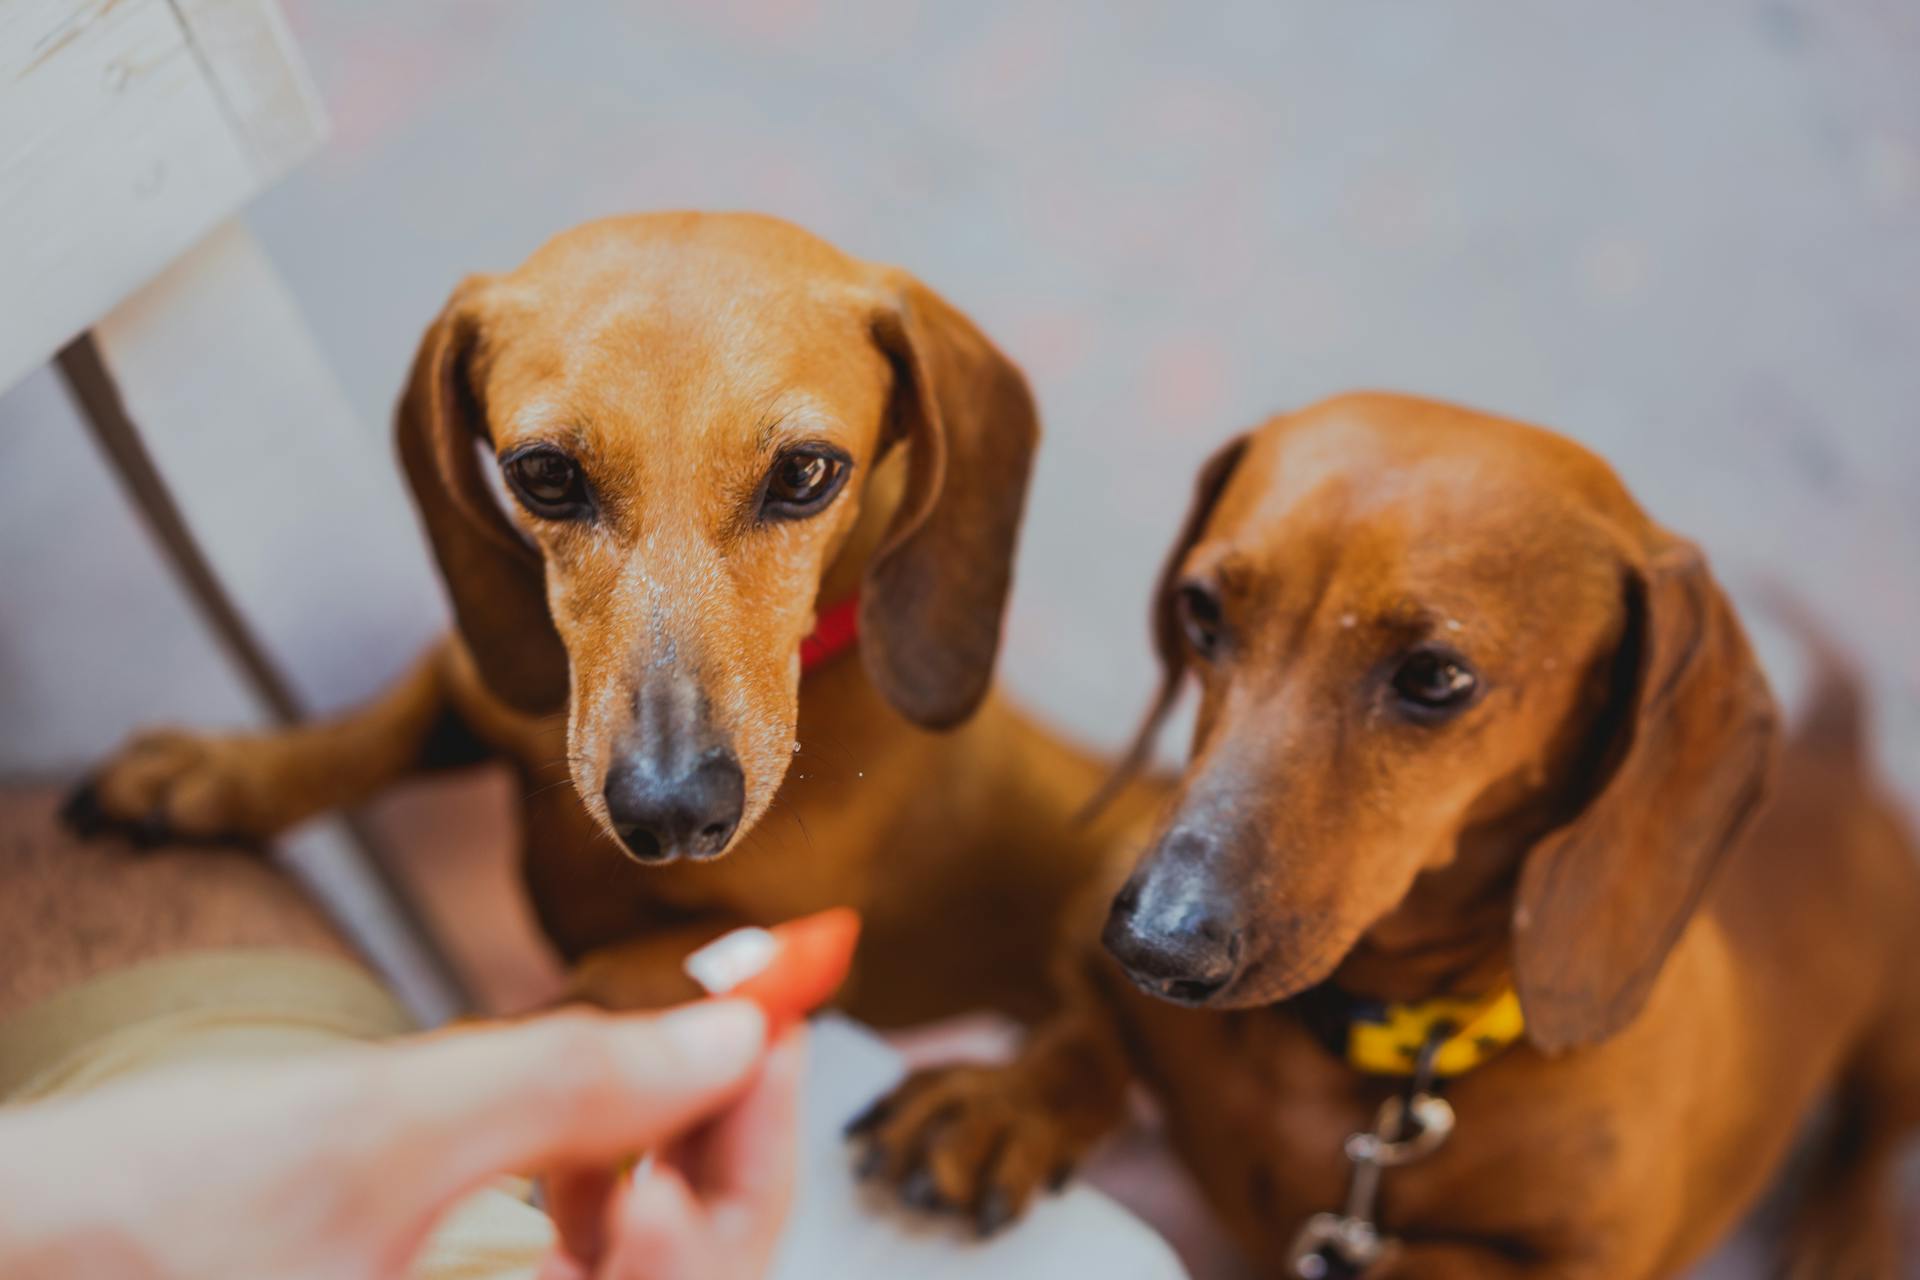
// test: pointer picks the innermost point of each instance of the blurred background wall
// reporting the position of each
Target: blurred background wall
(1688, 235)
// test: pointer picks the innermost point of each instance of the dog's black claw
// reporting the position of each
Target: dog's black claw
(918, 1190)
(150, 832)
(81, 811)
(994, 1212)
(867, 1120)
(871, 1162)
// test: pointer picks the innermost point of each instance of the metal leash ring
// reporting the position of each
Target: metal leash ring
(1331, 1240)
(1432, 1119)
(1331, 1245)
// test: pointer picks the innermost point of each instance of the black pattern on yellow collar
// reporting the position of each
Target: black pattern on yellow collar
(1385, 1038)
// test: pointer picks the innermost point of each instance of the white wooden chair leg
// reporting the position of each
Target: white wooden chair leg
(212, 405)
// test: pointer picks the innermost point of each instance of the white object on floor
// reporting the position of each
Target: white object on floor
(840, 1230)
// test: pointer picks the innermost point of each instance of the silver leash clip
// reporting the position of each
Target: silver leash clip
(1330, 1246)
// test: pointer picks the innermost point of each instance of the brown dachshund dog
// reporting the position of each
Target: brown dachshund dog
(1472, 724)
(711, 430)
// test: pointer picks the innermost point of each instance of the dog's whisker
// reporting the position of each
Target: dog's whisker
(551, 786)
(802, 823)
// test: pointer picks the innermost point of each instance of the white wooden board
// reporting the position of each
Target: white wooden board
(298, 506)
(297, 511)
(128, 129)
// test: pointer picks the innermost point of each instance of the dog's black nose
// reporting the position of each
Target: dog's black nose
(1173, 930)
(661, 817)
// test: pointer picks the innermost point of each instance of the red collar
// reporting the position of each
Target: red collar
(835, 630)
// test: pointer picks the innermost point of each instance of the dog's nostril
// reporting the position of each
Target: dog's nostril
(642, 844)
(1191, 990)
(714, 832)
(1220, 934)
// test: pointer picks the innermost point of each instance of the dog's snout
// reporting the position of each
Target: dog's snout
(1174, 928)
(661, 814)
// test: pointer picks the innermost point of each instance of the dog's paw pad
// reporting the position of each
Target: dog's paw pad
(965, 1141)
(81, 812)
(169, 787)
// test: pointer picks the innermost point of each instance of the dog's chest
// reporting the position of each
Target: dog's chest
(1260, 1112)
(1257, 1111)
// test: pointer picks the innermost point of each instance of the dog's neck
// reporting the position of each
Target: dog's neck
(1453, 932)
(1434, 943)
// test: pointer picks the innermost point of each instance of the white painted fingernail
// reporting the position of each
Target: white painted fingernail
(731, 959)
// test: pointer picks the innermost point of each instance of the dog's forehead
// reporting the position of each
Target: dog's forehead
(1439, 471)
(701, 323)
(690, 289)
(1393, 510)
(717, 252)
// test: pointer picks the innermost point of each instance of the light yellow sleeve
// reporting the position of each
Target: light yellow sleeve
(493, 1234)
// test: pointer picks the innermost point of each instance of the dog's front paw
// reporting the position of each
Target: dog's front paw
(968, 1140)
(168, 786)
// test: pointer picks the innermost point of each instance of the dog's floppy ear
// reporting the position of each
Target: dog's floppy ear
(1686, 747)
(496, 579)
(1164, 621)
(935, 589)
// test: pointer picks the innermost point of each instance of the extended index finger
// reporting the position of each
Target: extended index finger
(572, 1088)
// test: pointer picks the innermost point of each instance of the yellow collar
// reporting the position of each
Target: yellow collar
(1386, 1039)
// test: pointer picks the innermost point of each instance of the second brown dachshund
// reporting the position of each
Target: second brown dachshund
(1481, 851)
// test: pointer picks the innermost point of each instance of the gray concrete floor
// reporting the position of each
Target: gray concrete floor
(1688, 235)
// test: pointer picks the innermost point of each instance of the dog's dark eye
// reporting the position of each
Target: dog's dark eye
(803, 481)
(547, 482)
(1201, 617)
(1435, 681)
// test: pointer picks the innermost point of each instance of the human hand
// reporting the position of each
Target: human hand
(340, 1164)
(707, 1205)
